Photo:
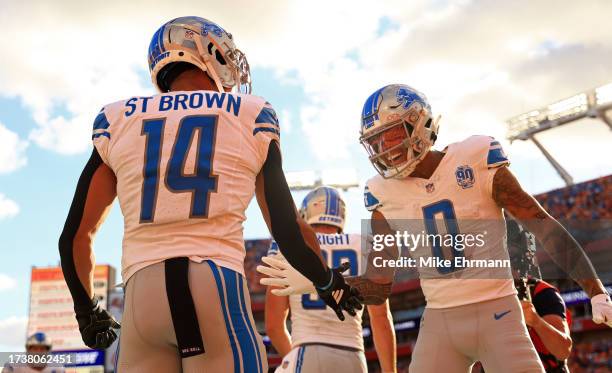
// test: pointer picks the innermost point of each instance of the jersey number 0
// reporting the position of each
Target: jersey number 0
(200, 183)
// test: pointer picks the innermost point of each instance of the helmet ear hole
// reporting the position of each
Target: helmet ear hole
(220, 58)
(409, 128)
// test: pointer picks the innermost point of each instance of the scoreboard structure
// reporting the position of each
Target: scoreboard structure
(52, 312)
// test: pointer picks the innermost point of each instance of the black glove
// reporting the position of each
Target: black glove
(340, 296)
(96, 326)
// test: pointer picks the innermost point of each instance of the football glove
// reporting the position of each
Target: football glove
(338, 295)
(96, 326)
(602, 309)
(283, 276)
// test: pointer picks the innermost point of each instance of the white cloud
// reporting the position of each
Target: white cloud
(479, 62)
(12, 150)
(8, 208)
(285, 120)
(13, 333)
(6, 282)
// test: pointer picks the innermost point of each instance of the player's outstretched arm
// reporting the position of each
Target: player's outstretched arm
(93, 197)
(564, 250)
(558, 242)
(276, 312)
(384, 336)
(375, 284)
(296, 240)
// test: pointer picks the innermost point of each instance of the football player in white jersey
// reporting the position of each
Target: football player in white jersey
(36, 344)
(472, 313)
(184, 165)
(319, 342)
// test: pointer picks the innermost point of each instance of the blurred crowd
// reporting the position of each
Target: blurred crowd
(591, 357)
(588, 200)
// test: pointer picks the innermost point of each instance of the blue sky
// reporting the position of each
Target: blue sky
(316, 68)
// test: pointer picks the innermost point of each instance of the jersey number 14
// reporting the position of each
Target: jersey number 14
(201, 183)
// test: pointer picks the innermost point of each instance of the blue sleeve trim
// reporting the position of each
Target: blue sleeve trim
(267, 115)
(96, 135)
(273, 250)
(101, 123)
(496, 156)
(369, 200)
(266, 129)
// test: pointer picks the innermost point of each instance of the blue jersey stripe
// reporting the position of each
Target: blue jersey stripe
(369, 199)
(266, 129)
(96, 135)
(300, 359)
(267, 115)
(496, 156)
(247, 320)
(274, 249)
(249, 357)
(101, 123)
(230, 334)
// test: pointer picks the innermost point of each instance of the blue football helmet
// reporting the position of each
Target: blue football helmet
(397, 129)
(38, 339)
(202, 43)
(324, 205)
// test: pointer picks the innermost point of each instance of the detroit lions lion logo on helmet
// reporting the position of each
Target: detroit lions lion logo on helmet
(211, 27)
(406, 98)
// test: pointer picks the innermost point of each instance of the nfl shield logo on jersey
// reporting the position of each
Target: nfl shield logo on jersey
(465, 176)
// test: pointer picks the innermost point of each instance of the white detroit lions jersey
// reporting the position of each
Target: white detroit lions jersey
(186, 164)
(456, 200)
(311, 320)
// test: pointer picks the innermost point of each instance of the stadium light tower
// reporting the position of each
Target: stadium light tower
(306, 180)
(594, 103)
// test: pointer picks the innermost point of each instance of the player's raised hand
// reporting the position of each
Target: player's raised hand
(283, 276)
(339, 296)
(96, 326)
(602, 309)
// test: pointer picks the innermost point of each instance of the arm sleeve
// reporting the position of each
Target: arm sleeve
(284, 223)
(73, 221)
(549, 302)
